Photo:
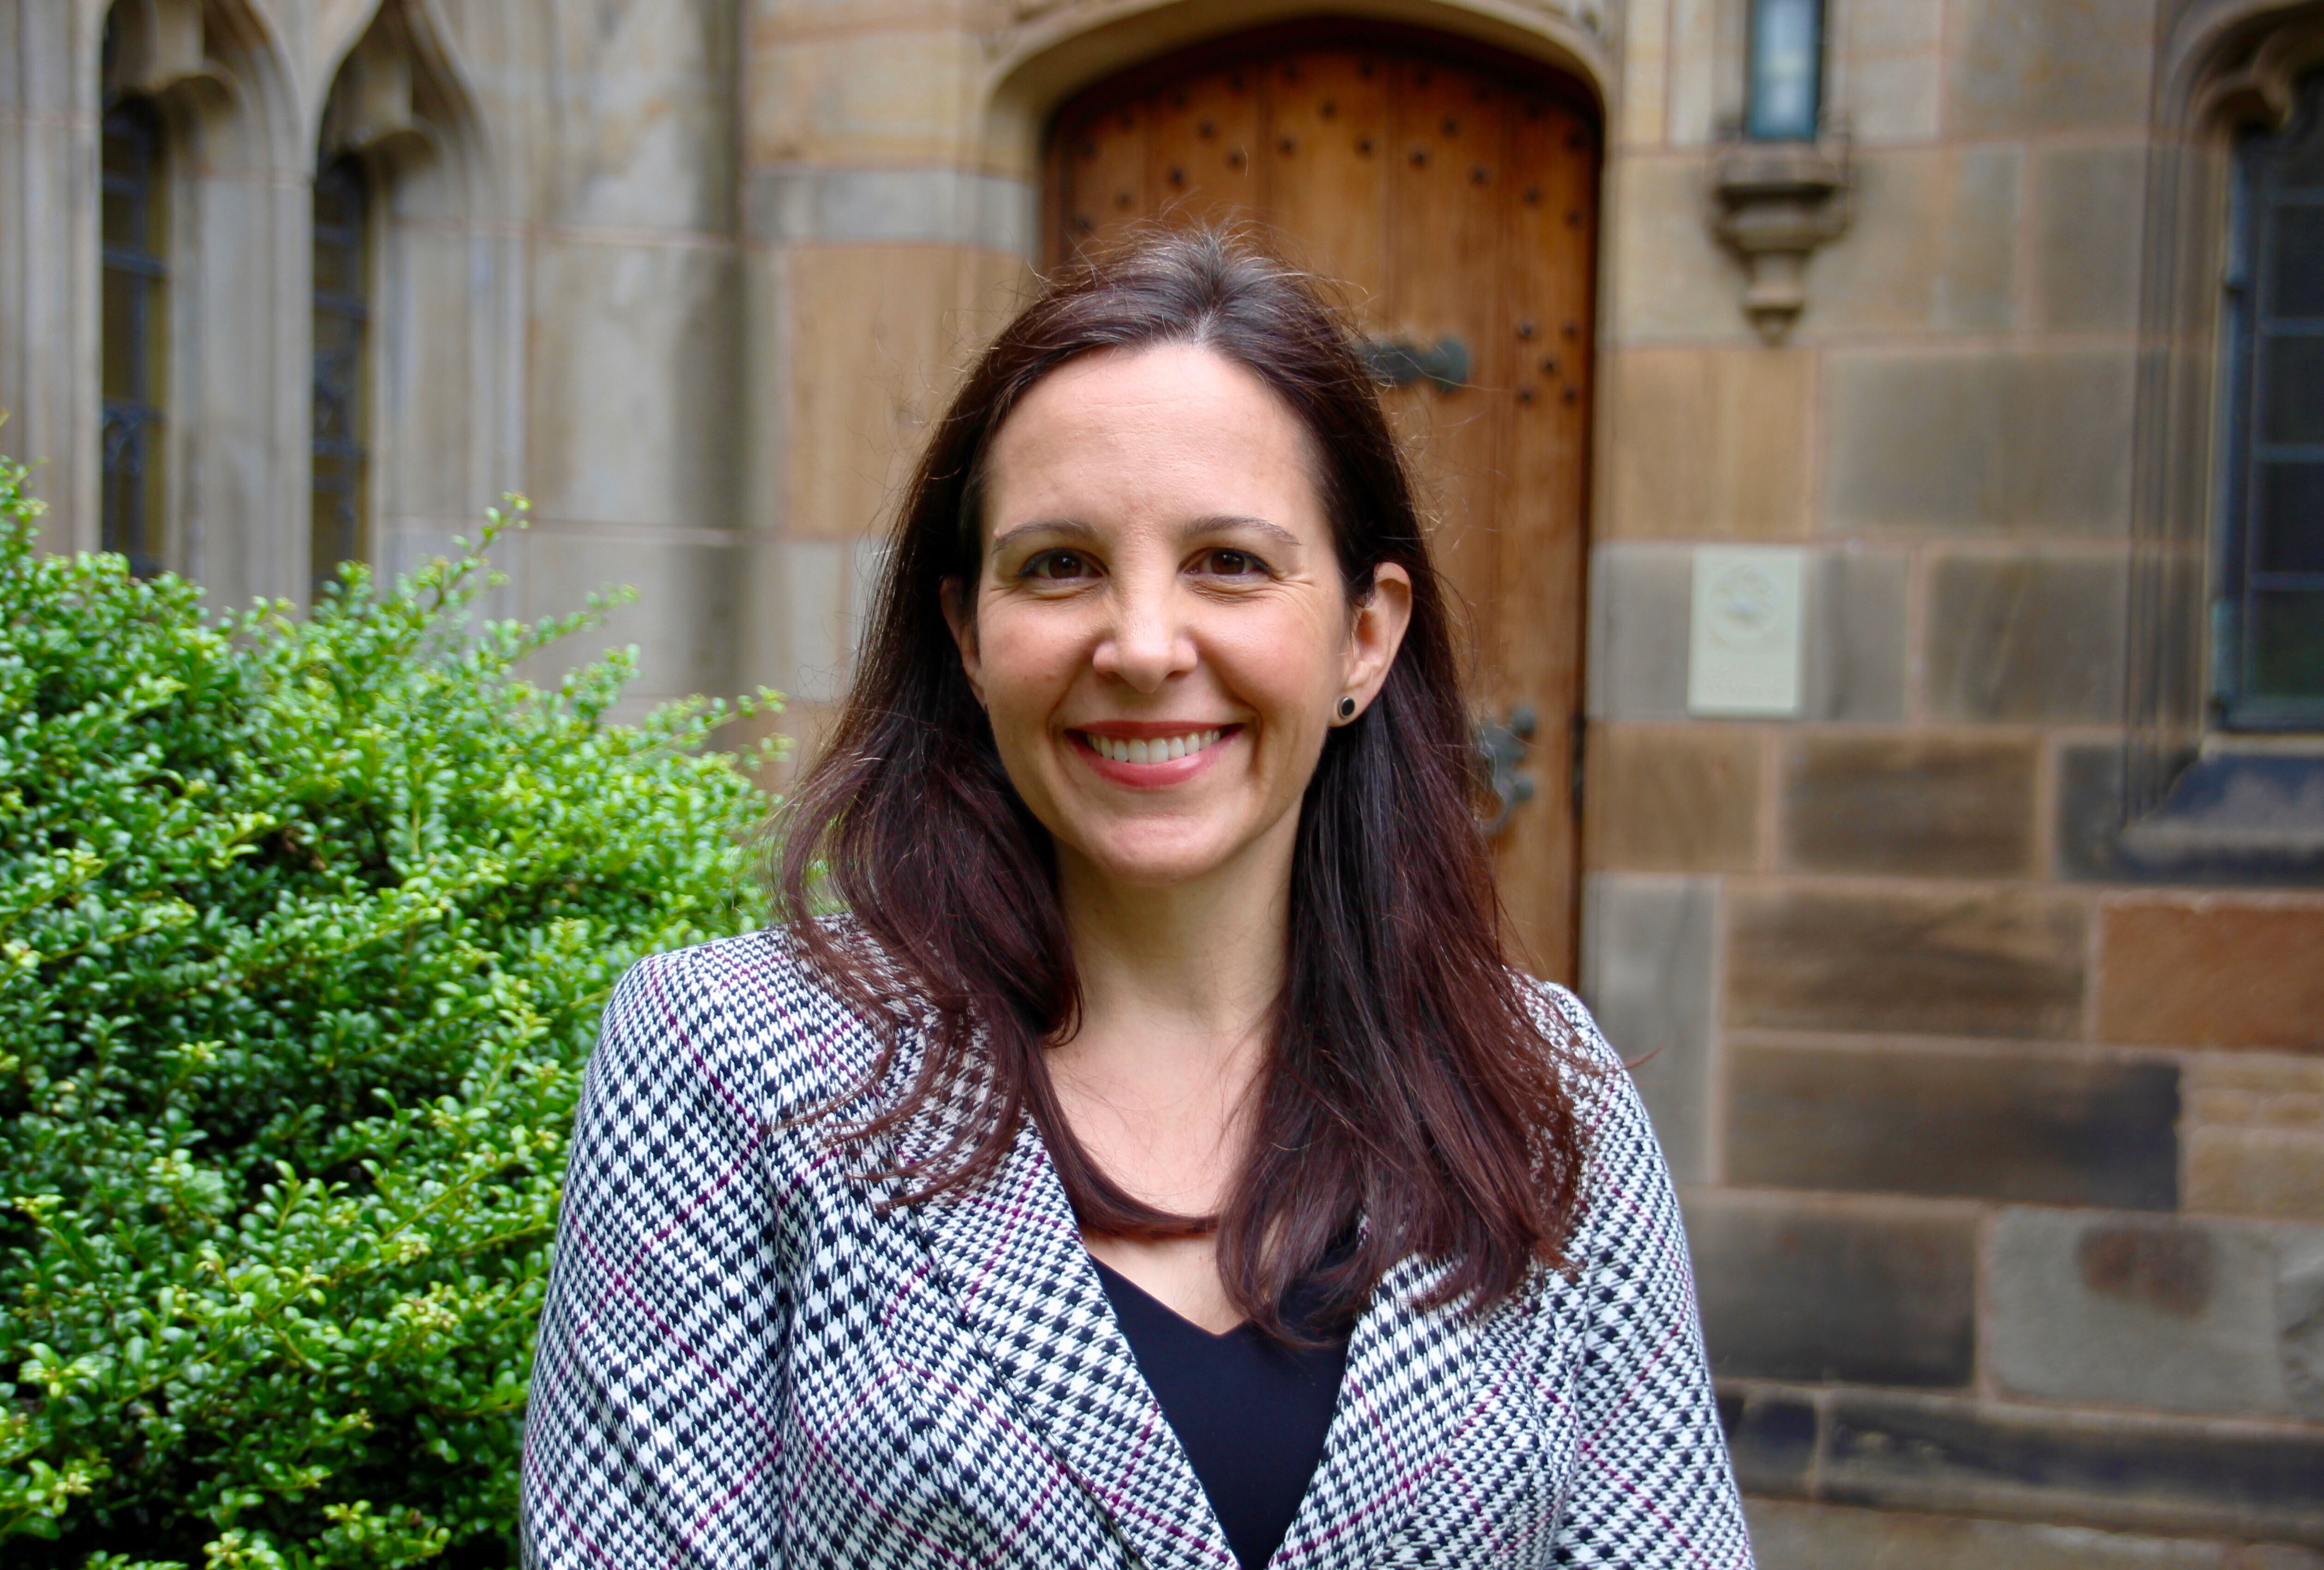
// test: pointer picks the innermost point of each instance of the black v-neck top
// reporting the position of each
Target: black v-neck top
(1250, 1412)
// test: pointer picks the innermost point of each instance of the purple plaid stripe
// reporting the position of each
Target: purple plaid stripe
(746, 1361)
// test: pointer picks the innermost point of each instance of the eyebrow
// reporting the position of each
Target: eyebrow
(1076, 530)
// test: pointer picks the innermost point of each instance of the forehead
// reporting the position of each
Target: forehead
(1171, 427)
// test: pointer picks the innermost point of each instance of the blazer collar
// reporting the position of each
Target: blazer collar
(1010, 1254)
(1412, 1383)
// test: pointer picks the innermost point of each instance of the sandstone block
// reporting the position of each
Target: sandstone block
(934, 206)
(2033, 1127)
(1932, 245)
(1675, 798)
(1709, 444)
(657, 148)
(1998, 962)
(1985, 441)
(2109, 1470)
(432, 405)
(1933, 807)
(1771, 1436)
(1891, 75)
(875, 337)
(1788, 1536)
(2244, 1171)
(1853, 646)
(2137, 1312)
(2255, 1135)
(1666, 275)
(2013, 67)
(2026, 638)
(1639, 604)
(867, 96)
(1792, 1291)
(2210, 971)
(2088, 205)
(1646, 65)
(1648, 946)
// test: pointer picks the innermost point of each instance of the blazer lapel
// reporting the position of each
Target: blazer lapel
(1410, 1386)
(1010, 1254)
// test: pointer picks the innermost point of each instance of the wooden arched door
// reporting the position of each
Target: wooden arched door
(1454, 193)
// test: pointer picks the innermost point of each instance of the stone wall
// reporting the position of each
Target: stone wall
(2004, 1178)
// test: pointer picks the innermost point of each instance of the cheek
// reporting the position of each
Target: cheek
(1026, 662)
(1287, 666)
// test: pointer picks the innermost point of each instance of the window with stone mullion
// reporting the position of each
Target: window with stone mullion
(2268, 601)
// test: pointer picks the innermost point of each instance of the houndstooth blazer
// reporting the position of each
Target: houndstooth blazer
(744, 1362)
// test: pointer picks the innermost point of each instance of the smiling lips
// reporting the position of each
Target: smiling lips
(1149, 749)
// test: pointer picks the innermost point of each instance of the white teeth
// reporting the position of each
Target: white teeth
(1160, 750)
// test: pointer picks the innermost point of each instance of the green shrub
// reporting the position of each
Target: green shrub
(305, 928)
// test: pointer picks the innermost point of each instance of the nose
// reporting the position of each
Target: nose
(1146, 640)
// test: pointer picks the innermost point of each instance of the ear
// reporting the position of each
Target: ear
(1376, 632)
(952, 596)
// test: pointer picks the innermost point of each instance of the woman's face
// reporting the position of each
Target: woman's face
(1160, 632)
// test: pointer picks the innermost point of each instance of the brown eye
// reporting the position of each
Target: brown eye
(1227, 563)
(1055, 565)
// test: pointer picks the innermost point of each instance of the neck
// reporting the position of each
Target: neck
(1198, 958)
(1178, 986)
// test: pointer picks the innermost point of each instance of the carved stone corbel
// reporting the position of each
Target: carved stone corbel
(374, 108)
(162, 45)
(1777, 202)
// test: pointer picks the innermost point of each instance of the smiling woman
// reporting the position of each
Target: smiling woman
(1160, 1163)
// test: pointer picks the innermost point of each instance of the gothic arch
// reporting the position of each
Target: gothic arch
(2229, 60)
(1057, 47)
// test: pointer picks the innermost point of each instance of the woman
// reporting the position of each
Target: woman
(1159, 1165)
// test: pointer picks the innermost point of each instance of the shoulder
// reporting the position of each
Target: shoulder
(1592, 1072)
(748, 1009)
(1571, 1024)
(1619, 1149)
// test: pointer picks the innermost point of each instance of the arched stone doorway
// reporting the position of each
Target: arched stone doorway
(1453, 191)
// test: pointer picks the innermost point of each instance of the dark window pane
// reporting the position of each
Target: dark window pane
(133, 324)
(2295, 263)
(2287, 645)
(2288, 518)
(2292, 388)
(121, 296)
(120, 215)
(342, 328)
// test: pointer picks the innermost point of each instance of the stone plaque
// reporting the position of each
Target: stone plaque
(1743, 653)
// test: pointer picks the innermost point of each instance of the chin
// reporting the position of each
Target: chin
(1156, 871)
(1156, 862)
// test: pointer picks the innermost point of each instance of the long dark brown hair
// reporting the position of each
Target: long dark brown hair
(1410, 1080)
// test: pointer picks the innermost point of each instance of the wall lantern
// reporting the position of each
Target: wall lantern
(1781, 189)
(1784, 96)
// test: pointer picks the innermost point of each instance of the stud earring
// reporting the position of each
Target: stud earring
(1347, 709)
